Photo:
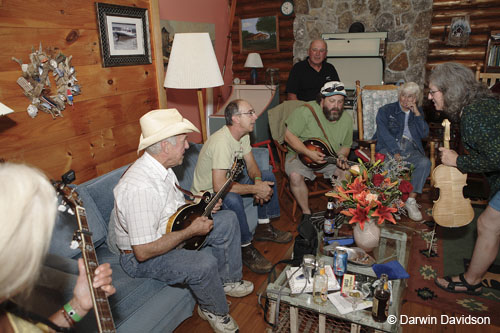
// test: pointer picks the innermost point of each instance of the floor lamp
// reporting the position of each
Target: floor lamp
(193, 65)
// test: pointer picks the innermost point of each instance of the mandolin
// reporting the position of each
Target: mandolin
(83, 237)
(451, 209)
(320, 146)
(187, 213)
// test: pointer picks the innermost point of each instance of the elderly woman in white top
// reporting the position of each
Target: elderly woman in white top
(28, 207)
(400, 129)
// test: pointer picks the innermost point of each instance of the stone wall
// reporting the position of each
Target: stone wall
(407, 22)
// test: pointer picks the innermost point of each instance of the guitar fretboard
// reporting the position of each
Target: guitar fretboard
(223, 189)
(102, 309)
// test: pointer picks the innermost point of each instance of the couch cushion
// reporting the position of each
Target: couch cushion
(154, 300)
(185, 171)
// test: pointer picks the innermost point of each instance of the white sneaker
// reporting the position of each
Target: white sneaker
(220, 324)
(412, 209)
(238, 289)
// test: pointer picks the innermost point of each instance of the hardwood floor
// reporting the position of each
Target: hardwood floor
(249, 316)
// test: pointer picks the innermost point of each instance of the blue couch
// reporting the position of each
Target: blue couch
(139, 305)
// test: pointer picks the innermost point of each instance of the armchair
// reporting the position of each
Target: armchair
(490, 79)
(368, 100)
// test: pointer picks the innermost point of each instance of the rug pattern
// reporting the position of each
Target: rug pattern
(425, 265)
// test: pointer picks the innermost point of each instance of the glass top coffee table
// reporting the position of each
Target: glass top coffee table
(298, 312)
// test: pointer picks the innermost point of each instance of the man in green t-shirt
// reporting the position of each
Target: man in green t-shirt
(302, 125)
(216, 157)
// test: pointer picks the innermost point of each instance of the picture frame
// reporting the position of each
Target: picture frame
(259, 34)
(124, 35)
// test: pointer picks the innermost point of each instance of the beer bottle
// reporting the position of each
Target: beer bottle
(329, 225)
(320, 285)
(380, 309)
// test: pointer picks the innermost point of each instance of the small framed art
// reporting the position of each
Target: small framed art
(124, 35)
(259, 34)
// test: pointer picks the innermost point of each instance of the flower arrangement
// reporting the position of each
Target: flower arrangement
(375, 191)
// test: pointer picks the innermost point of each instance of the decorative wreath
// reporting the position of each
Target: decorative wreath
(35, 82)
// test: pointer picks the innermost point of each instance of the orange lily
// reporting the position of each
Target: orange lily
(356, 187)
(340, 194)
(384, 213)
(359, 215)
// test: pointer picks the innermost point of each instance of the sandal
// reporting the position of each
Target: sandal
(451, 287)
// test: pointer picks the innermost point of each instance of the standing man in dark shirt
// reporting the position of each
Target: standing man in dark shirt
(308, 76)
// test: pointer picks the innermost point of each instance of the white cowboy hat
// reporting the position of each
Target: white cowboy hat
(160, 124)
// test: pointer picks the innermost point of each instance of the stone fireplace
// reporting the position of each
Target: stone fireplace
(407, 23)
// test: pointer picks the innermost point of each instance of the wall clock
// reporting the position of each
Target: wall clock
(287, 7)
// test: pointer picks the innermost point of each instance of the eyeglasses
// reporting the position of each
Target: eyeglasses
(432, 92)
(332, 89)
(250, 113)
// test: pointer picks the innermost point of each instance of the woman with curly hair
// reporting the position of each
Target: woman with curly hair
(454, 89)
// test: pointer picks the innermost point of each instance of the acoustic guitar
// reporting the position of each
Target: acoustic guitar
(187, 213)
(319, 145)
(83, 238)
(451, 209)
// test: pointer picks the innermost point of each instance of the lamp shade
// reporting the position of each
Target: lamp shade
(4, 109)
(192, 63)
(254, 61)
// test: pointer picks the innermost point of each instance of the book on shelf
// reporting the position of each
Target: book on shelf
(494, 56)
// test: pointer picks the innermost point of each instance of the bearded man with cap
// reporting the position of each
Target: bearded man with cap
(302, 125)
(147, 196)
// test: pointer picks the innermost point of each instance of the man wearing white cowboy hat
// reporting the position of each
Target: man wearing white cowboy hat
(146, 197)
(302, 125)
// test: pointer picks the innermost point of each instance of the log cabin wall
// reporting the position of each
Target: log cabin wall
(283, 60)
(101, 131)
(483, 15)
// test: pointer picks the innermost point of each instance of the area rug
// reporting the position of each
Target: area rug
(449, 255)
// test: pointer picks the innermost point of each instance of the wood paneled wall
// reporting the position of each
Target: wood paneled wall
(101, 131)
(283, 60)
(484, 16)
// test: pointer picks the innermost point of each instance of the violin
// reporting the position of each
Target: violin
(451, 209)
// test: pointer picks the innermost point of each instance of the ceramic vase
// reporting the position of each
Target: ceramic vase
(368, 238)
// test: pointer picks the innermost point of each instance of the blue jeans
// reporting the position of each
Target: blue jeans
(422, 165)
(495, 201)
(203, 271)
(234, 202)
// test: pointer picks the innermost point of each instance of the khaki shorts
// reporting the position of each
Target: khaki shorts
(293, 164)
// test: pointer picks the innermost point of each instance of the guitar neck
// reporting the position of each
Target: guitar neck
(447, 133)
(333, 160)
(217, 196)
(102, 309)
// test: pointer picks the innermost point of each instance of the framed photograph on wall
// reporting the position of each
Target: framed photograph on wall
(259, 34)
(124, 35)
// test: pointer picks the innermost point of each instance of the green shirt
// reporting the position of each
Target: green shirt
(480, 131)
(218, 153)
(302, 124)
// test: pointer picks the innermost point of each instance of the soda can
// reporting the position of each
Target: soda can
(339, 263)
